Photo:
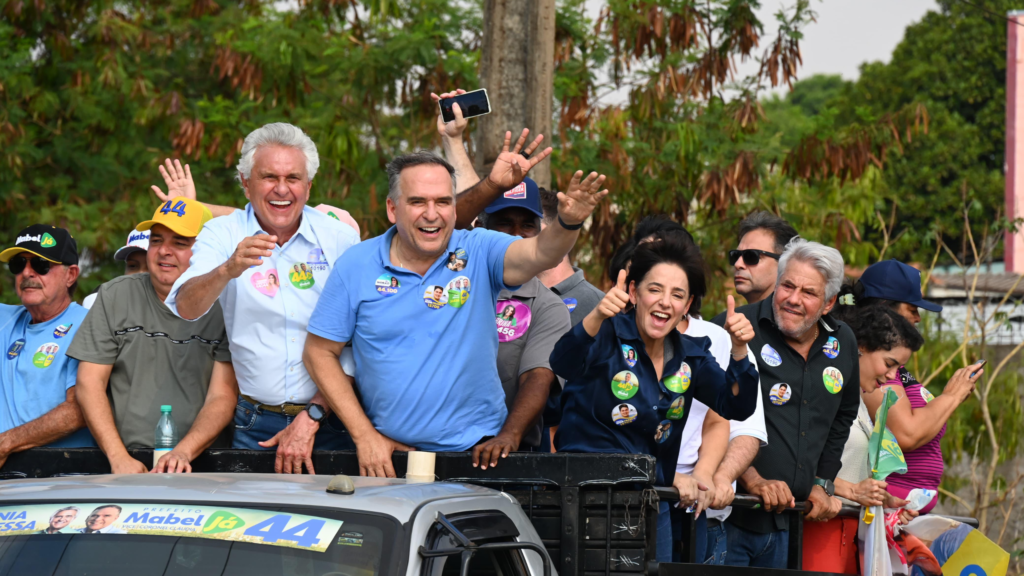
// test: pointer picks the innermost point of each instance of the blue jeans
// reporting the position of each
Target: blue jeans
(710, 540)
(253, 425)
(746, 548)
(664, 542)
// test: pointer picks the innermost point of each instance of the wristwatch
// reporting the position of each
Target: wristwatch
(829, 487)
(316, 412)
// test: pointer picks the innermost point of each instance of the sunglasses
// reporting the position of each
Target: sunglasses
(18, 263)
(750, 257)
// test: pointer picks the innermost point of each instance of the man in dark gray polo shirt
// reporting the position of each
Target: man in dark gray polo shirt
(529, 322)
(809, 422)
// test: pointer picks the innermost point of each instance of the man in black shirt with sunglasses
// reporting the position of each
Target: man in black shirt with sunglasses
(37, 378)
(763, 237)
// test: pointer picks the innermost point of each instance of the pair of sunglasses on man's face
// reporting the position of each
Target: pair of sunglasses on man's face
(750, 257)
(18, 263)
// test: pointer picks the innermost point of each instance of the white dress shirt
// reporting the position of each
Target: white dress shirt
(266, 324)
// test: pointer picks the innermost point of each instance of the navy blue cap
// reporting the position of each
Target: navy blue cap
(525, 195)
(894, 280)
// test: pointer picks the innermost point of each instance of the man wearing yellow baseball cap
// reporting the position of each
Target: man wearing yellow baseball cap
(132, 343)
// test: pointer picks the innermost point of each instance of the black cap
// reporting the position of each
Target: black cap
(45, 241)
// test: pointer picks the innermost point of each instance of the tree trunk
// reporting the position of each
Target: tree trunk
(517, 69)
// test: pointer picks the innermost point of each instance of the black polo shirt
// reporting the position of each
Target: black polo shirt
(808, 420)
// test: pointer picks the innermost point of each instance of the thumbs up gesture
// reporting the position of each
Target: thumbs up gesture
(738, 327)
(615, 300)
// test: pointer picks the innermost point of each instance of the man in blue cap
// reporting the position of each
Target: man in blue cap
(525, 344)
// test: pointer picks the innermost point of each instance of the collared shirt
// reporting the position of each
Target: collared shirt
(426, 369)
(267, 308)
(531, 347)
(615, 403)
(35, 371)
(579, 296)
(809, 419)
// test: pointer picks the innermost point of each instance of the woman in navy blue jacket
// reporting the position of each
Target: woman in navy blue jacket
(631, 375)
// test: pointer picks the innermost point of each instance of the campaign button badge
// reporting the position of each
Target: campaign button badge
(675, 410)
(512, 318)
(623, 414)
(457, 260)
(662, 433)
(458, 291)
(926, 395)
(435, 297)
(570, 303)
(387, 285)
(316, 260)
(780, 394)
(16, 347)
(62, 330)
(44, 355)
(268, 284)
(680, 381)
(625, 385)
(833, 379)
(301, 276)
(630, 354)
(831, 348)
(770, 356)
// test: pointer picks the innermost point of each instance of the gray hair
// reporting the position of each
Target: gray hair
(64, 509)
(405, 161)
(825, 259)
(279, 134)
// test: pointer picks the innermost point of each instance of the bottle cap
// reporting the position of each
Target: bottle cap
(165, 408)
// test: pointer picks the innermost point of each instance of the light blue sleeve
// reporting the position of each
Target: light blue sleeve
(494, 245)
(8, 313)
(213, 247)
(334, 317)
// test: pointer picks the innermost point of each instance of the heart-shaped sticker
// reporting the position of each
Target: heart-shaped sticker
(267, 285)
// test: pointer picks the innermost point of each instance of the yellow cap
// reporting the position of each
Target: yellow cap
(182, 215)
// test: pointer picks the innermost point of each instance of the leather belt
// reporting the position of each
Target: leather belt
(286, 409)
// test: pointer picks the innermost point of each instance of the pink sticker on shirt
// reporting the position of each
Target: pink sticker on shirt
(268, 284)
(512, 319)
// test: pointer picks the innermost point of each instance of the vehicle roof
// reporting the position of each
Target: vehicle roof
(395, 497)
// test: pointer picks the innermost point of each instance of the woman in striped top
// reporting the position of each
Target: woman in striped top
(918, 419)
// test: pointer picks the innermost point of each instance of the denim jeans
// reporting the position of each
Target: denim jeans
(746, 548)
(664, 542)
(710, 540)
(253, 425)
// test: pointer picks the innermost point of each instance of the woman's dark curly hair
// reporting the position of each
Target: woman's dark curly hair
(658, 226)
(879, 327)
(670, 248)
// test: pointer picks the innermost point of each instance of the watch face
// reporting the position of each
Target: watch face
(315, 412)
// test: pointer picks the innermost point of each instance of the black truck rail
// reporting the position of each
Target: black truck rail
(595, 513)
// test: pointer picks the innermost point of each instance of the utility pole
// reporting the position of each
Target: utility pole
(1013, 258)
(517, 69)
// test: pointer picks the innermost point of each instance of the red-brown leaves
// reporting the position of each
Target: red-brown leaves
(722, 187)
(189, 138)
(245, 74)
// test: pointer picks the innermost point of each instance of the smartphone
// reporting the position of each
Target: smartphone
(983, 362)
(473, 103)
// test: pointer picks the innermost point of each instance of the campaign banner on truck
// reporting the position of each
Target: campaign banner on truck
(211, 522)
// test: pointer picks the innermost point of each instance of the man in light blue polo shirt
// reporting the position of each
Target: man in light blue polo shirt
(37, 378)
(427, 370)
(268, 264)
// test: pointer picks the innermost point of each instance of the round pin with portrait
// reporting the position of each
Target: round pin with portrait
(926, 395)
(770, 356)
(629, 353)
(680, 381)
(675, 410)
(512, 319)
(16, 347)
(625, 385)
(435, 297)
(833, 379)
(301, 276)
(457, 260)
(780, 394)
(387, 285)
(458, 291)
(831, 348)
(623, 414)
(44, 355)
(663, 431)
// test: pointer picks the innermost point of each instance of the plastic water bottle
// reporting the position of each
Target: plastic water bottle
(166, 434)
